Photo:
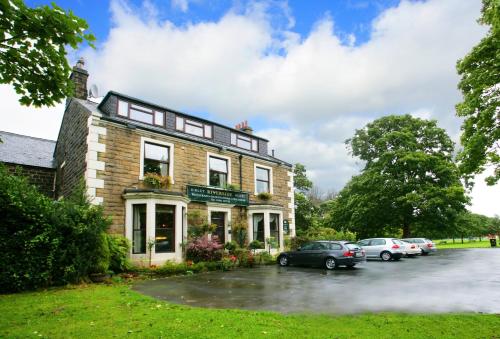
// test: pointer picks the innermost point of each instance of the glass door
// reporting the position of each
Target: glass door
(218, 218)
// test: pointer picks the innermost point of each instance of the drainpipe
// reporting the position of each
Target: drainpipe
(241, 177)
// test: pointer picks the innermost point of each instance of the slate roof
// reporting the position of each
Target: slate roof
(25, 150)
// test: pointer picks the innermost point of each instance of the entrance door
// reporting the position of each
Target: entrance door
(218, 218)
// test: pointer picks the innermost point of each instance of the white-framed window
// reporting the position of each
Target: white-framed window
(263, 179)
(193, 127)
(265, 223)
(245, 142)
(140, 113)
(155, 218)
(218, 170)
(157, 157)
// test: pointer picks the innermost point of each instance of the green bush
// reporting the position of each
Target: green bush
(256, 245)
(265, 258)
(47, 242)
(119, 248)
(320, 233)
(230, 246)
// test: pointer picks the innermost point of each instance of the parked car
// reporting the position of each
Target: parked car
(427, 246)
(411, 250)
(384, 248)
(328, 254)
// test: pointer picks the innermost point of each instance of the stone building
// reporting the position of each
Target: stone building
(31, 157)
(219, 171)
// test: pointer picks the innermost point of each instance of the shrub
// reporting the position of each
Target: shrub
(203, 249)
(47, 242)
(265, 258)
(321, 233)
(156, 180)
(264, 196)
(255, 245)
(239, 232)
(245, 257)
(198, 225)
(119, 248)
(230, 246)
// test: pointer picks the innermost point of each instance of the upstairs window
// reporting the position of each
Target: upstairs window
(193, 127)
(244, 142)
(218, 172)
(262, 180)
(140, 113)
(156, 159)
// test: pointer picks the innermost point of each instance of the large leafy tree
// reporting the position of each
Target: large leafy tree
(33, 50)
(480, 85)
(409, 179)
(305, 210)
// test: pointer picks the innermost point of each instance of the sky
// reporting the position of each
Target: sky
(305, 74)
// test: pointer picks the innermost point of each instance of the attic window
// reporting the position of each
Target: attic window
(244, 142)
(140, 113)
(193, 127)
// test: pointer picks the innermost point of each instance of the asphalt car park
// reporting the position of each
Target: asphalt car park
(446, 281)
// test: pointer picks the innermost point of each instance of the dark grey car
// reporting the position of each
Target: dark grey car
(328, 254)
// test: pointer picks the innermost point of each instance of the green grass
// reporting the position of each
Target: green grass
(466, 244)
(116, 311)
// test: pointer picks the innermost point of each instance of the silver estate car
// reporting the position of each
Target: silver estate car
(383, 248)
(427, 246)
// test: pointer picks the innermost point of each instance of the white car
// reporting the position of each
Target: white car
(411, 250)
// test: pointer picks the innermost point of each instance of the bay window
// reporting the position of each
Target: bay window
(164, 228)
(274, 226)
(139, 229)
(258, 227)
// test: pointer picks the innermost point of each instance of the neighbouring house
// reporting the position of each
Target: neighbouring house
(33, 157)
(115, 144)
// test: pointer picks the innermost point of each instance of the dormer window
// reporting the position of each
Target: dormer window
(140, 113)
(193, 127)
(244, 142)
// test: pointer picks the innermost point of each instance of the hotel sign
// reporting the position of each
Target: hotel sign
(217, 195)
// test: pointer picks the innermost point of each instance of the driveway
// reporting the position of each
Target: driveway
(448, 281)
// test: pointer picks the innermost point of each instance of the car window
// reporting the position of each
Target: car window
(319, 246)
(364, 242)
(334, 246)
(352, 246)
(420, 241)
(308, 246)
(377, 242)
(428, 240)
(397, 241)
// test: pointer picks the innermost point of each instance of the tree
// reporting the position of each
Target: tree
(480, 86)
(32, 50)
(409, 179)
(300, 180)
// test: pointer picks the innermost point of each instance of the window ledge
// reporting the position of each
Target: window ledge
(153, 193)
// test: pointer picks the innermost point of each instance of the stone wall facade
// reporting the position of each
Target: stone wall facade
(71, 149)
(41, 177)
(122, 170)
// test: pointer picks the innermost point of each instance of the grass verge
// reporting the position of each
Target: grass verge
(116, 311)
(466, 244)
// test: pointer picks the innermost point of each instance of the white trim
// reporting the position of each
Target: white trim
(170, 156)
(156, 258)
(291, 206)
(92, 164)
(215, 155)
(255, 165)
(267, 226)
(227, 219)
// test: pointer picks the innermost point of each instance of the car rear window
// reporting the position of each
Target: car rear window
(334, 246)
(397, 241)
(352, 246)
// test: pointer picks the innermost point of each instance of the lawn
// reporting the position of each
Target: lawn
(116, 311)
(466, 244)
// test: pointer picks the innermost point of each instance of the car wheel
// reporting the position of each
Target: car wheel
(386, 256)
(330, 263)
(283, 260)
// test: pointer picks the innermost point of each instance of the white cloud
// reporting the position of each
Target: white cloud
(251, 64)
(182, 5)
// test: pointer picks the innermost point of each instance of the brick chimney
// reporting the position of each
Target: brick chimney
(79, 77)
(243, 126)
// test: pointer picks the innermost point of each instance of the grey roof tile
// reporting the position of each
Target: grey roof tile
(26, 150)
